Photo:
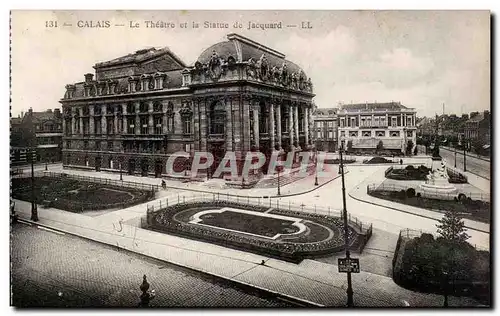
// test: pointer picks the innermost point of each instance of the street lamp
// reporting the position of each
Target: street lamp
(346, 234)
(121, 177)
(279, 170)
(316, 166)
(34, 210)
(445, 288)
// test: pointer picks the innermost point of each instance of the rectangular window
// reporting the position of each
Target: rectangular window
(186, 126)
(342, 123)
(342, 133)
(158, 125)
(86, 144)
(318, 134)
(318, 124)
(330, 124)
(394, 121)
(170, 124)
(68, 144)
(130, 126)
(110, 146)
(188, 148)
(144, 125)
(353, 122)
(330, 134)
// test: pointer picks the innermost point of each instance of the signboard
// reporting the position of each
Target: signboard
(348, 265)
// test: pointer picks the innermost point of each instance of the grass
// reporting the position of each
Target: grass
(249, 223)
(470, 209)
(74, 195)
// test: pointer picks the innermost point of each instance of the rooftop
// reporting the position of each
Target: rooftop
(373, 106)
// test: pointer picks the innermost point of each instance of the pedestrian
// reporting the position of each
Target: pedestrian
(401, 161)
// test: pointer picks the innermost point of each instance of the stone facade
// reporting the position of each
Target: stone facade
(144, 107)
(326, 129)
(363, 126)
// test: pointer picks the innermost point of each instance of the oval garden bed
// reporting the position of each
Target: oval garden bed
(77, 196)
(283, 234)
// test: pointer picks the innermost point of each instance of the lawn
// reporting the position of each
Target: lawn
(470, 209)
(76, 196)
(249, 223)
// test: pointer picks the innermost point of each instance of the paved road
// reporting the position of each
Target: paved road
(89, 274)
(477, 166)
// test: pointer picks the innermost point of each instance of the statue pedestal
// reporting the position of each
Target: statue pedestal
(438, 187)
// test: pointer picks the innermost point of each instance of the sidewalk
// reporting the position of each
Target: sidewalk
(298, 187)
(311, 282)
(485, 158)
(359, 193)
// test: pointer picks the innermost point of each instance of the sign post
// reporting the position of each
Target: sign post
(348, 265)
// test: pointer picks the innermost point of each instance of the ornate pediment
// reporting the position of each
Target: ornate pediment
(186, 110)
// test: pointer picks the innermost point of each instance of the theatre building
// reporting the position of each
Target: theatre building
(140, 109)
(377, 127)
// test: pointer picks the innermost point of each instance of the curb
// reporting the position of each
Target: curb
(400, 210)
(469, 155)
(285, 297)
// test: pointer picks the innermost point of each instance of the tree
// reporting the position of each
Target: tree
(409, 147)
(349, 145)
(380, 146)
(452, 227)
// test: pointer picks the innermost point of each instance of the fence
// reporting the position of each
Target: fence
(353, 221)
(485, 197)
(408, 234)
(118, 183)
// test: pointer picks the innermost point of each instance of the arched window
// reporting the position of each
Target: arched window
(217, 118)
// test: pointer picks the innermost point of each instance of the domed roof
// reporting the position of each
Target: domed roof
(242, 49)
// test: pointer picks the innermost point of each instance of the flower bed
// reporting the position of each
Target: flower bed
(77, 196)
(408, 173)
(318, 241)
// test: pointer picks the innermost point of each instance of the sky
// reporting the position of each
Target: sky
(423, 59)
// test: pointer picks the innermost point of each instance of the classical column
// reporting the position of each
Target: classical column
(73, 121)
(91, 120)
(306, 125)
(271, 125)
(296, 120)
(164, 126)
(256, 135)
(401, 120)
(229, 126)
(104, 127)
(81, 120)
(115, 122)
(150, 118)
(290, 123)
(387, 120)
(278, 125)
(137, 119)
(124, 119)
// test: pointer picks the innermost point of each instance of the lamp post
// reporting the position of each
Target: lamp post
(279, 170)
(346, 235)
(316, 166)
(465, 148)
(34, 211)
(121, 177)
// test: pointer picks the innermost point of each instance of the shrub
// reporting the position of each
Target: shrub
(410, 168)
(410, 192)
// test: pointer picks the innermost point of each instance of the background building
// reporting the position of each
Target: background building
(478, 132)
(326, 129)
(376, 127)
(142, 108)
(38, 131)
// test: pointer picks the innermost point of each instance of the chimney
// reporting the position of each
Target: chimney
(89, 77)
